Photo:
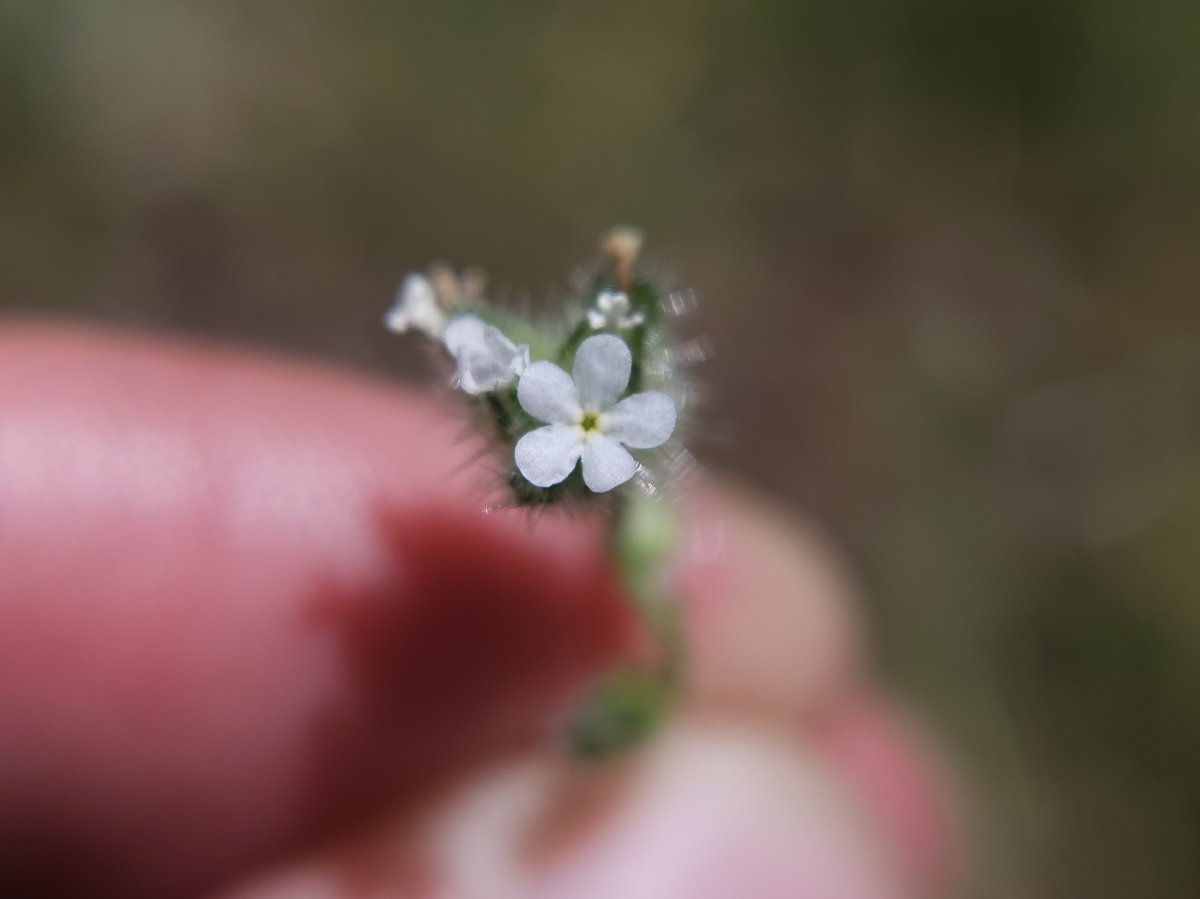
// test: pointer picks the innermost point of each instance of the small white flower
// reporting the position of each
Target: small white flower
(586, 421)
(416, 307)
(487, 360)
(612, 312)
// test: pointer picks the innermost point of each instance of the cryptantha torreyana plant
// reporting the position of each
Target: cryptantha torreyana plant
(582, 408)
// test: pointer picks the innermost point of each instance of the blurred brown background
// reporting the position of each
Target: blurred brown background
(947, 252)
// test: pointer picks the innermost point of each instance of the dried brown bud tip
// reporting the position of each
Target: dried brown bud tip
(622, 245)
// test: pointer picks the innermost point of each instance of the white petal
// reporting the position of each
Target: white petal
(466, 331)
(606, 464)
(610, 301)
(416, 307)
(596, 319)
(483, 374)
(625, 322)
(643, 421)
(547, 393)
(487, 360)
(501, 348)
(602, 367)
(547, 455)
(520, 361)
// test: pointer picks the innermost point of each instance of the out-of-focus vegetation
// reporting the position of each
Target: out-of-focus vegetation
(949, 254)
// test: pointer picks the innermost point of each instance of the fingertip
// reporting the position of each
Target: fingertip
(710, 809)
(774, 625)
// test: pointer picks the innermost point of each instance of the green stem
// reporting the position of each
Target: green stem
(630, 704)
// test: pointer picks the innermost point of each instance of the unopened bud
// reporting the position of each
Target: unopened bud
(622, 245)
(445, 284)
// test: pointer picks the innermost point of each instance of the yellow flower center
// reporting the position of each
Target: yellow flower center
(590, 421)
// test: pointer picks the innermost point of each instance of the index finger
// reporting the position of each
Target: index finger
(242, 599)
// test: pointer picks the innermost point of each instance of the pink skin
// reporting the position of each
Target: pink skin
(247, 604)
(891, 769)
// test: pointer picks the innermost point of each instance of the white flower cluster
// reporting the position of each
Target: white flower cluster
(612, 312)
(416, 308)
(564, 404)
(590, 421)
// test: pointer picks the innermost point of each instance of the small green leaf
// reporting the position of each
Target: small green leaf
(626, 709)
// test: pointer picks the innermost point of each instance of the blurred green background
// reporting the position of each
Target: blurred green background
(948, 253)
